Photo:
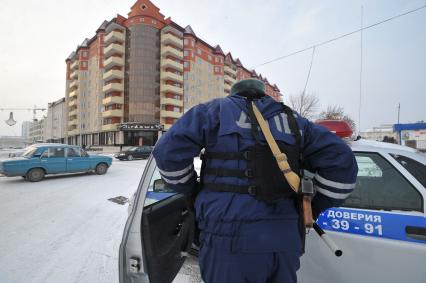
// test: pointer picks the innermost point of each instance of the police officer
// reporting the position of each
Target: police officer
(248, 216)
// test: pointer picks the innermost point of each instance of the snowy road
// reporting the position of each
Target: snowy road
(64, 229)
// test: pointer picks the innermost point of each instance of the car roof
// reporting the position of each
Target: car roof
(368, 144)
(53, 145)
(375, 146)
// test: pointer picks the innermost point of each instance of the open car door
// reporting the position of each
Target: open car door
(158, 232)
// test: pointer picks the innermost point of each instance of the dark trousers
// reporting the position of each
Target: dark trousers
(219, 266)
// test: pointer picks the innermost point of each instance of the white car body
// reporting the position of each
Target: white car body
(379, 245)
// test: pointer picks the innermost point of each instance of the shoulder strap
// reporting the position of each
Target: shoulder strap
(295, 130)
(292, 178)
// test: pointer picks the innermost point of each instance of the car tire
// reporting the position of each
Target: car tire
(35, 175)
(130, 157)
(101, 168)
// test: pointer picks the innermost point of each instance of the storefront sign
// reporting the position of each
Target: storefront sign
(140, 127)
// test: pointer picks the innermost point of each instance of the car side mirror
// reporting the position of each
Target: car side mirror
(161, 187)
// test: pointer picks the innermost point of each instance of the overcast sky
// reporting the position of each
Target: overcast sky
(37, 36)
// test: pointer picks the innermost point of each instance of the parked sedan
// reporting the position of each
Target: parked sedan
(135, 152)
(41, 159)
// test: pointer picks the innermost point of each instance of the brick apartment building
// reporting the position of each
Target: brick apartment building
(138, 75)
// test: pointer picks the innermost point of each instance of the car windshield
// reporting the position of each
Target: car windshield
(29, 151)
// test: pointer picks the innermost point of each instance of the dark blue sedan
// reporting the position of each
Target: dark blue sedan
(41, 159)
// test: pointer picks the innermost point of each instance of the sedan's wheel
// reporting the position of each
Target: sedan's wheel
(35, 175)
(101, 169)
(130, 157)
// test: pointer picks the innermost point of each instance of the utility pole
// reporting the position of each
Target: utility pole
(399, 110)
(360, 71)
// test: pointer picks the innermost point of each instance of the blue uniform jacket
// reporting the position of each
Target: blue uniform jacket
(239, 222)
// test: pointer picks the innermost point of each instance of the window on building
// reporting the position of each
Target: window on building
(380, 186)
(186, 64)
(199, 51)
(185, 41)
(185, 53)
(209, 57)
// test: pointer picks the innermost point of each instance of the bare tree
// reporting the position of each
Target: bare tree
(305, 104)
(337, 113)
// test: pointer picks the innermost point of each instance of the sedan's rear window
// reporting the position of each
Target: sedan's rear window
(417, 169)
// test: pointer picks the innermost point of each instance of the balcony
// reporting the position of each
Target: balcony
(113, 87)
(170, 114)
(167, 38)
(168, 50)
(113, 48)
(171, 101)
(114, 36)
(171, 76)
(110, 127)
(113, 100)
(73, 132)
(167, 126)
(73, 94)
(74, 74)
(112, 113)
(168, 63)
(229, 70)
(73, 122)
(229, 80)
(74, 65)
(113, 61)
(171, 88)
(73, 84)
(113, 74)
(73, 113)
(72, 103)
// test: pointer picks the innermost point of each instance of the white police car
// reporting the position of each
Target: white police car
(381, 229)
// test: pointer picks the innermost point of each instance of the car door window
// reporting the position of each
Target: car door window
(73, 152)
(157, 189)
(417, 169)
(83, 153)
(380, 186)
(56, 152)
(45, 154)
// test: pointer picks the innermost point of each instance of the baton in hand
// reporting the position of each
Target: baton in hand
(328, 241)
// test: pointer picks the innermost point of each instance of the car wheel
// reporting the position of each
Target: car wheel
(35, 175)
(130, 157)
(101, 168)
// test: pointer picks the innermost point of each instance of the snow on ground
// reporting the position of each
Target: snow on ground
(64, 229)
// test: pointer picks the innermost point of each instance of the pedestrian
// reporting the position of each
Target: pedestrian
(248, 215)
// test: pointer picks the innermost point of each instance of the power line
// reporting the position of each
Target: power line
(341, 36)
(310, 68)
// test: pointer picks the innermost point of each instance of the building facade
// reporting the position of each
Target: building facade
(12, 142)
(412, 135)
(37, 129)
(137, 76)
(25, 129)
(379, 133)
(55, 123)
